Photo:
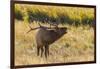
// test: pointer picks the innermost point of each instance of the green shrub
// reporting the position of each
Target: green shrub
(64, 15)
(18, 13)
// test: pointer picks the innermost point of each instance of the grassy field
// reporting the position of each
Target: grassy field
(75, 46)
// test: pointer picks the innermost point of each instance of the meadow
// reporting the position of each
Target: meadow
(75, 46)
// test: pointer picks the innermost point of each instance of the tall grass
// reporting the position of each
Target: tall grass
(75, 46)
(70, 15)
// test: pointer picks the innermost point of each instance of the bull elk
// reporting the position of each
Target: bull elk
(45, 36)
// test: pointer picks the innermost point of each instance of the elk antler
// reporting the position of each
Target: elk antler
(54, 24)
(32, 28)
(40, 26)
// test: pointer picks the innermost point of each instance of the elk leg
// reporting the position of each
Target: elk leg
(42, 50)
(38, 50)
(46, 51)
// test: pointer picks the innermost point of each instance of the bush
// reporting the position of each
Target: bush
(18, 13)
(64, 15)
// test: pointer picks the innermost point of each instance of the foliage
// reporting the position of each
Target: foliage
(64, 15)
(18, 13)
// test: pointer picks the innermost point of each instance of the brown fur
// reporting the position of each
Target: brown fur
(45, 37)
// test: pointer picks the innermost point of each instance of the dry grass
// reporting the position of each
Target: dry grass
(75, 46)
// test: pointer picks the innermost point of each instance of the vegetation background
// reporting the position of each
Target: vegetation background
(75, 46)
